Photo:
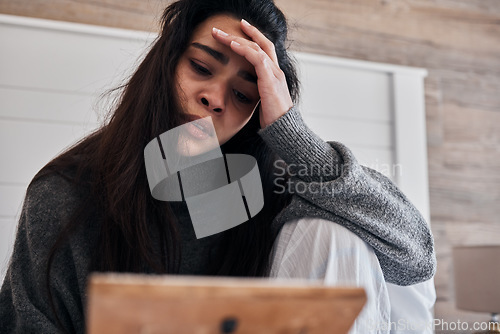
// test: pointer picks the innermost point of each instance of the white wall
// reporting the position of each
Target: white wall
(52, 73)
(51, 77)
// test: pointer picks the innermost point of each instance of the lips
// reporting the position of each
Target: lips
(203, 124)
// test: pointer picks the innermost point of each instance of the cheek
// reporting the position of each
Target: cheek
(241, 121)
(183, 84)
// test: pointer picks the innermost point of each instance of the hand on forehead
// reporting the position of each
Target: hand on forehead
(251, 49)
(226, 23)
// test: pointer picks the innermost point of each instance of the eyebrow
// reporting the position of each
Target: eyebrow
(220, 57)
(223, 59)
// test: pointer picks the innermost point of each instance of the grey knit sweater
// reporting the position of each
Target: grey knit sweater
(346, 193)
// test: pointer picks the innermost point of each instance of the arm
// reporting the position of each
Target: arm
(359, 198)
(25, 306)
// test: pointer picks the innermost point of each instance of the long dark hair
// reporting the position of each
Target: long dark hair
(110, 162)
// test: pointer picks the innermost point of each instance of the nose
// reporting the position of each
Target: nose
(205, 102)
(213, 101)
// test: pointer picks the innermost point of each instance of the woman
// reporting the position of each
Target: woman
(90, 209)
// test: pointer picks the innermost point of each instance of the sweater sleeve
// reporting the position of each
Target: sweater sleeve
(25, 306)
(328, 182)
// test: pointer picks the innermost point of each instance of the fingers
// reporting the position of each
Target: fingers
(275, 98)
(250, 50)
(226, 39)
(260, 39)
(264, 67)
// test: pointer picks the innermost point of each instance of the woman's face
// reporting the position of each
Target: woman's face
(214, 81)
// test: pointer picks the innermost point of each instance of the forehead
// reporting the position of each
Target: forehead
(222, 21)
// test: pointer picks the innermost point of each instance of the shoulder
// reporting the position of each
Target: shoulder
(49, 203)
(51, 193)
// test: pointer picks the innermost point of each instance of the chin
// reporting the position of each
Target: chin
(223, 141)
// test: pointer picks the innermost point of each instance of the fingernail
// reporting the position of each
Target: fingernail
(245, 22)
(235, 43)
(220, 32)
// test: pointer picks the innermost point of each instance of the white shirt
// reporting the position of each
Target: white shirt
(313, 248)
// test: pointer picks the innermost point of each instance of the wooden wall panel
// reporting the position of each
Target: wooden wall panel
(458, 41)
(130, 14)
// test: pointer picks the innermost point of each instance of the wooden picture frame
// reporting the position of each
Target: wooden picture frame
(125, 303)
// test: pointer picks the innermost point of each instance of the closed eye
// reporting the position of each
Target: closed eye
(241, 97)
(200, 69)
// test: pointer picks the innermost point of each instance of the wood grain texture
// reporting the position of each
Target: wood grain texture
(458, 41)
(128, 14)
(146, 304)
